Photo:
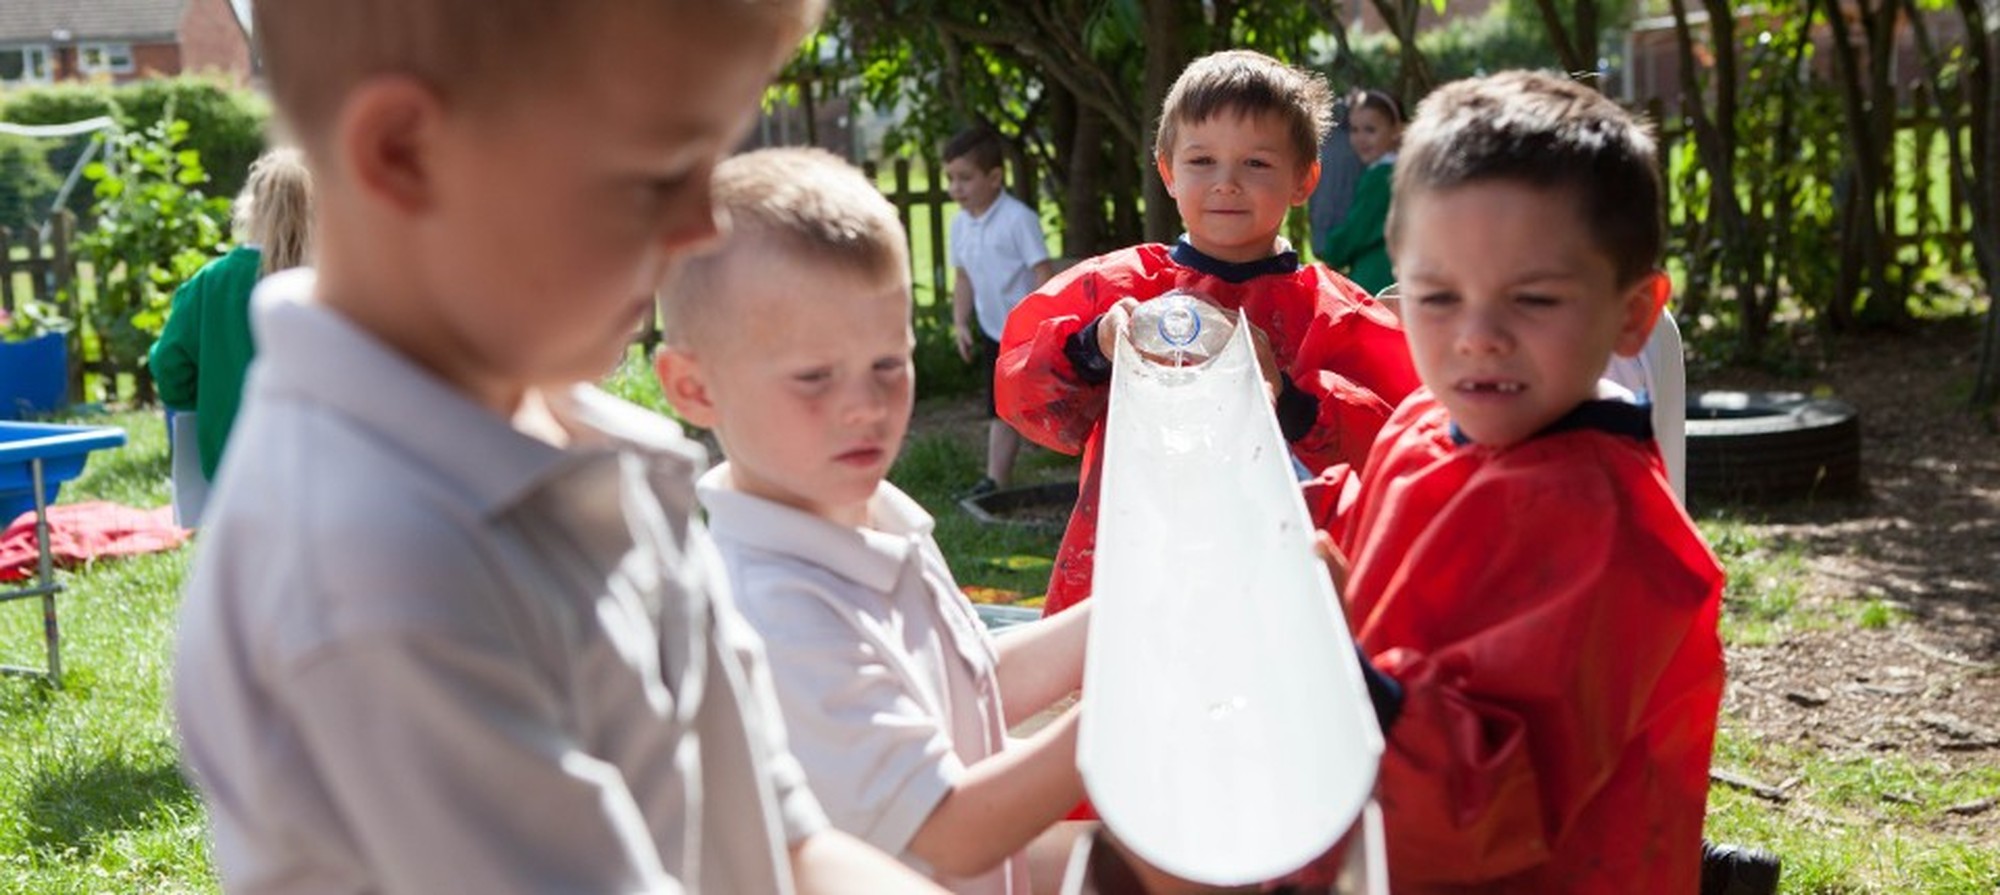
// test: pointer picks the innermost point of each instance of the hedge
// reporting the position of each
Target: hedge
(226, 125)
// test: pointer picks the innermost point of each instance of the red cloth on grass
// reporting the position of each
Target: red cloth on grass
(81, 532)
(1551, 613)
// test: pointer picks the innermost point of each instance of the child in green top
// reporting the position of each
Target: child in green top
(199, 362)
(1356, 247)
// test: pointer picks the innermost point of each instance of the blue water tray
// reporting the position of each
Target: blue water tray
(62, 450)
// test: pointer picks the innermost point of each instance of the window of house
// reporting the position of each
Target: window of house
(24, 64)
(113, 58)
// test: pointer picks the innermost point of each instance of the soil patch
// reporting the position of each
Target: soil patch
(1920, 547)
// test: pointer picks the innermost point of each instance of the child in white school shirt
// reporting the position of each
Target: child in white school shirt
(793, 343)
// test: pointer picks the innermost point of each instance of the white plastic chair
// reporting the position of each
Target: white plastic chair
(1659, 375)
(189, 486)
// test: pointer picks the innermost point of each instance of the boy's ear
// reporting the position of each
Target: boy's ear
(1306, 184)
(685, 386)
(387, 138)
(1640, 308)
(1166, 166)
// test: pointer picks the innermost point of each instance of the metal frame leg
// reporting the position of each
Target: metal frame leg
(45, 585)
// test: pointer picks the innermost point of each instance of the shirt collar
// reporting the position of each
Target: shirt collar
(1611, 417)
(311, 351)
(1284, 262)
(873, 556)
(1003, 198)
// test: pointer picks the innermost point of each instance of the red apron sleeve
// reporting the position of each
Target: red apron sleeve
(1352, 359)
(1035, 388)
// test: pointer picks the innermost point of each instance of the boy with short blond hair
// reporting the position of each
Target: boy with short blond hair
(998, 256)
(1520, 565)
(1238, 147)
(793, 343)
(452, 628)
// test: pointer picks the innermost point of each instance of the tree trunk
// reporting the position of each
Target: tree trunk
(1986, 95)
(1864, 242)
(1083, 205)
(1413, 78)
(1166, 54)
(1127, 224)
(1720, 262)
(1575, 46)
(1976, 171)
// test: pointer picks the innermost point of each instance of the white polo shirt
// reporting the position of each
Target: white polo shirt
(885, 674)
(423, 652)
(998, 251)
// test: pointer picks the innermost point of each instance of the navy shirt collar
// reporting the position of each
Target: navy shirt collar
(1186, 255)
(1610, 417)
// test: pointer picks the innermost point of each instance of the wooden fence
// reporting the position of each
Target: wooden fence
(1940, 232)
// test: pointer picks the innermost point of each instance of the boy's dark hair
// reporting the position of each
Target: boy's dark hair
(980, 143)
(1549, 132)
(1246, 82)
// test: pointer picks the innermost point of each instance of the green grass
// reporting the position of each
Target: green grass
(1855, 823)
(91, 799)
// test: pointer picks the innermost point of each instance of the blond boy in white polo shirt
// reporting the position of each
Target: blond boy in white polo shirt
(793, 343)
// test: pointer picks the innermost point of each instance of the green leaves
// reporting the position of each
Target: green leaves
(154, 227)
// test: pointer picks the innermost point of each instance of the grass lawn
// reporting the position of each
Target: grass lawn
(91, 799)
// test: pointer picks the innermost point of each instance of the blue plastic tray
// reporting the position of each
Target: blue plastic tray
(62, 450)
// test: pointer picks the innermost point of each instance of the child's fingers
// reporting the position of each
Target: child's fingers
(1116, 319)
(1336, 561)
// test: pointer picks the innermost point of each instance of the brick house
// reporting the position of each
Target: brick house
(120, 40)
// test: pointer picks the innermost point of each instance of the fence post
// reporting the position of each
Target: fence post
(902, 200)
(941, 273)
(7, 290)
(60, 272)
(1924, 133)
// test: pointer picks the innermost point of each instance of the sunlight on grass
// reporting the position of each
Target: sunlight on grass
(1766, 579)
(935, 469)
(91, 797)
(1855, 823)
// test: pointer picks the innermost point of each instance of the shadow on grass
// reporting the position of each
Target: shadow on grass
(75, 807)
(1924, 533)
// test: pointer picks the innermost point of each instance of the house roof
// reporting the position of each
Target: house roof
(36, 21)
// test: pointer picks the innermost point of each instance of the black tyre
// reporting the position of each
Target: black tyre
(1764, 447)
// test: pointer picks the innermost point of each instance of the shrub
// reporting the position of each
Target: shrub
(153, 229)
(225, 123)
(26, 182)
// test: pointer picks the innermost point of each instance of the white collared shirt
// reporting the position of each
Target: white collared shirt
(998, 251)
(885, 674)
(423, 652)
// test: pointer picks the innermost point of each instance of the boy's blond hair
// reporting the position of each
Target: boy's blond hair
(314, 51)
(1545, 130)
(804, 203)
(1246, 82)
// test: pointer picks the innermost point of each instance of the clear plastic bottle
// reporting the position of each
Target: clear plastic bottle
(1180, 328)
